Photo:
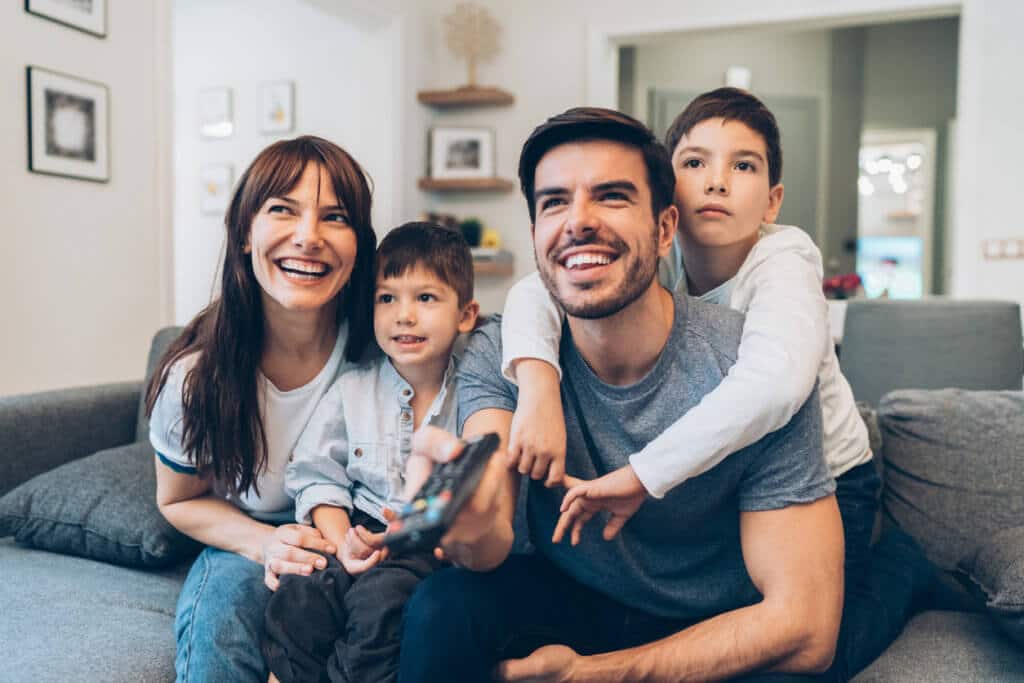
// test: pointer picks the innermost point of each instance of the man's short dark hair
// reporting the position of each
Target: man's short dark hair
(443, 252)
(593, 123)
(732, 104)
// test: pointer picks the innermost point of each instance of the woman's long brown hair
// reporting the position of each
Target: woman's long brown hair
(222, 425)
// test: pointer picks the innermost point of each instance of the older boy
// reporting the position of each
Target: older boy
(727, 159)
(343, 622)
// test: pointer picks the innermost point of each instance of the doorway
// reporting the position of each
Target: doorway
(895, 215)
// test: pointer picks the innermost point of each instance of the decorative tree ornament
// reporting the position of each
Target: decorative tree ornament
(472, 35)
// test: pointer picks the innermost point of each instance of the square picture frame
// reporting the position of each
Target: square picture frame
(88, 16)
(461, 153)
(215, 183)
(216, 115)
(68, 125)
(277, 114)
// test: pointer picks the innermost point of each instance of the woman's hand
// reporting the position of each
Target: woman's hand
(286, 550)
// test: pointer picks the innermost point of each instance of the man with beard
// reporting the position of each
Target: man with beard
(737, 572)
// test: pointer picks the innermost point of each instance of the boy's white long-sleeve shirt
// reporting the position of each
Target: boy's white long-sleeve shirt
(786, 346)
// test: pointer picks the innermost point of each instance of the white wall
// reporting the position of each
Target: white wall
(343, 64)
(794, 63)
(549, 49)
(82, 269)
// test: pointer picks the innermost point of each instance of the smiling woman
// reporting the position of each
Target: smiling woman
(231, 395)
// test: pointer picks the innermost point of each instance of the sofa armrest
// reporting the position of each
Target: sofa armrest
(43, 430)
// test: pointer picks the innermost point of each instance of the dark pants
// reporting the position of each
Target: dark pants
(460, 624)
(881, 581)
(336, 627)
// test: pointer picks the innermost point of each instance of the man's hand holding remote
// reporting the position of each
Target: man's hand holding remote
(482, 532)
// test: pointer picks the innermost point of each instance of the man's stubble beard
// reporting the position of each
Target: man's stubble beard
(639, 275)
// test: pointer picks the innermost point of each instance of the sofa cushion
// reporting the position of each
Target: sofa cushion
(947, 646)
(995, 574)
(72, 619)
(953, 467)
(102, 506)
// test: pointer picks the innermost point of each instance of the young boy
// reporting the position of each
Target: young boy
(343, 623)
(728, 163)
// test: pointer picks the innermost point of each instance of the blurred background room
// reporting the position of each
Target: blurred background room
(899, 119)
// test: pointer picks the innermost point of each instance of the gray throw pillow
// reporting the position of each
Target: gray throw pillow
(995, 574)
(953, 467)
(101, 507)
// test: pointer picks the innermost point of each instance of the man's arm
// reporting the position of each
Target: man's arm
(794, 556)
(481, 537)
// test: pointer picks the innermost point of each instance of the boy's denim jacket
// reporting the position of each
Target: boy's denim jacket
(353, 450)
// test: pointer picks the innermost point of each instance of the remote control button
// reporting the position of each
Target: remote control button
(433, 515)
(445, 495)
(420, 505)
(395, 525)
(407, 509)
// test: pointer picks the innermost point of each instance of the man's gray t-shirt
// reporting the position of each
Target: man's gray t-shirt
(679, 556)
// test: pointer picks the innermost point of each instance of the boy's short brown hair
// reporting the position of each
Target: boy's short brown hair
(732, 104)
(443, 252)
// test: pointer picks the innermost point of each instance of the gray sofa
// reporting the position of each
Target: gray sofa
(70, 618)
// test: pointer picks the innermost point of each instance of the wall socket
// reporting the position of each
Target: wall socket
(1001, 249)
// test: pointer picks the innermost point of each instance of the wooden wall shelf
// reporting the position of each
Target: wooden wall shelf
(466, 96)
(466, 184)
(491, 262)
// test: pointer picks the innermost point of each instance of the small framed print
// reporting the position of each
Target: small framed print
(215, 115)
(460, 153)
(85, 15)
(67, 126)
(278, 114)
(215, 188)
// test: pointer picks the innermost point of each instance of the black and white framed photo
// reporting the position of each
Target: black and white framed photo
(461, 153)
(215, 113)
(215, 188)
(85, 15)
(68, 126)
(278, 113)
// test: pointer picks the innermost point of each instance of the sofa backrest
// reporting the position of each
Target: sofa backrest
(161, 340)
(931, 344)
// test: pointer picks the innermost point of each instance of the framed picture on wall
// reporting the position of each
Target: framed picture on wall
(85, 15)
(278, 114)
(461, 153)
(215, 116)
(68, 126)
(215, 188)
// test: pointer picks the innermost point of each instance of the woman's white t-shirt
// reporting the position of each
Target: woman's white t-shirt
(284, 413)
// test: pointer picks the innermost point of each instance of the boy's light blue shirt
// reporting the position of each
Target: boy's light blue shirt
(352, 452)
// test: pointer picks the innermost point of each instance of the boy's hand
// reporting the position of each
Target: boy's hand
(361, 550)
(537, 441)
(620, 493)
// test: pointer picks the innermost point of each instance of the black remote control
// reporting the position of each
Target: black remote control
(420, 524)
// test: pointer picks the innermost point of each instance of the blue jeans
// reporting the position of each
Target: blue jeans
(219, 620)
(460, 624)
(881, 581)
